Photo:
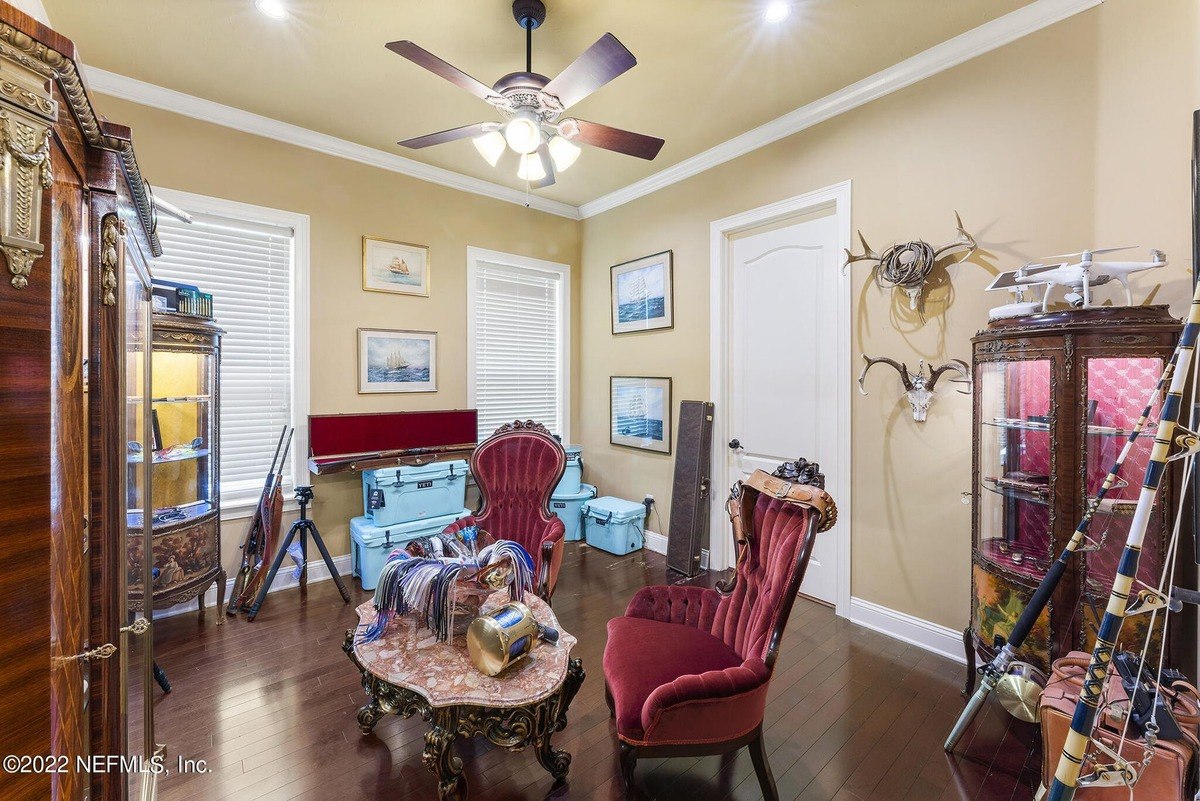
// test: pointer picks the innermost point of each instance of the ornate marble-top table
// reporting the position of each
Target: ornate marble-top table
(407, 672)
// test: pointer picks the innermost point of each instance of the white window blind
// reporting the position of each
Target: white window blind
(247, 266)
(518, 346)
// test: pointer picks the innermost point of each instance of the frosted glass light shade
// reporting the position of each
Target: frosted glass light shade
(531, 168)
(563, 152)
(491, 146)
(523, 134)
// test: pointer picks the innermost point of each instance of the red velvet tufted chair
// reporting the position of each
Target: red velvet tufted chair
(686, 670)
(517, 468)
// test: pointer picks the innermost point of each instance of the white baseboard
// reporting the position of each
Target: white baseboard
(658, 544)
(913, 630)
(283, 580)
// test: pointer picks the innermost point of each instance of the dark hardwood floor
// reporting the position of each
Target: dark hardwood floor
(853, 715)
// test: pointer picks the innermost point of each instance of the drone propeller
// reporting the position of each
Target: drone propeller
(1093, 251)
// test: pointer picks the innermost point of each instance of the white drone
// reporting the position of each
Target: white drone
(1079, 277)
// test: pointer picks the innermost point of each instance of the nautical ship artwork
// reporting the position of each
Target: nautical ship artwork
(640, 412)
(397, 361)
(395, 267)
(642, 294)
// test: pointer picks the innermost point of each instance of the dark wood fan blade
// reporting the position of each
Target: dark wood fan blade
(547, 165)
(604, 60)
(615, 139)
(466, 131)
(423, 58)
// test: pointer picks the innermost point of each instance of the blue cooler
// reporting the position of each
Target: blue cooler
(371, 544)
(569, 484)
(614, 525)
(568, 507)
(394, 495)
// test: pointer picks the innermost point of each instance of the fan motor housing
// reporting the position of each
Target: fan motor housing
(529, 14)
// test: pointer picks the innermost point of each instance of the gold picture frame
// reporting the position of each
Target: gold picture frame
(394, 267)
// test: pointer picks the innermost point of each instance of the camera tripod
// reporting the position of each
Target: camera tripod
(304, 527)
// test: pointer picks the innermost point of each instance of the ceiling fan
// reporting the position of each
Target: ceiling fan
(534, 105)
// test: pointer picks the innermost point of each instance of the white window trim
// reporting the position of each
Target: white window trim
(299, 223)
(563, 271)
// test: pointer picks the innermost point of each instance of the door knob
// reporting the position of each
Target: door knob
(735, 444)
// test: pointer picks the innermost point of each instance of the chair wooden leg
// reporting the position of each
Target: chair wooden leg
(758, 755)
(628, 761)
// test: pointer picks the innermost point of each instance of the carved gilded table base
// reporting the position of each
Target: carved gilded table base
(512, 727)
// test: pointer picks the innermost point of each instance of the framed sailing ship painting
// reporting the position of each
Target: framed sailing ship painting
(642, 294)
(397, 267)
(640, 412)
(396, 361)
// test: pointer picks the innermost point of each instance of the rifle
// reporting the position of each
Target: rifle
(252, 550)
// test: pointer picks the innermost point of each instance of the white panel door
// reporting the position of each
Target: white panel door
(782, 363)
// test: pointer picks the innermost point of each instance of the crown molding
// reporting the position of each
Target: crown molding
(950, 53)
(148, 94)
(964, 47)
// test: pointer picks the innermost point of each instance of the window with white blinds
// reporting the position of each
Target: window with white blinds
(518, 359)
(248, 266)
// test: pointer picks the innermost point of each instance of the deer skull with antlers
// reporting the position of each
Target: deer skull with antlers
(918, 386)
(908, 265)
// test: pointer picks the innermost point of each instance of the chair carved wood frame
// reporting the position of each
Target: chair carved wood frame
(517, 469)
(687, 668)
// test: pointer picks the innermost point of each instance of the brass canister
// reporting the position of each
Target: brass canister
(501, 637)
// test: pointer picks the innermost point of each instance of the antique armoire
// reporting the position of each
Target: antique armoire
(77, 235)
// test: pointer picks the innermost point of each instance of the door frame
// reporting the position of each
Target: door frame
(837, 198)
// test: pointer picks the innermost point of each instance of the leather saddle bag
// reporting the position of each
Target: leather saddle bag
(1169, 774)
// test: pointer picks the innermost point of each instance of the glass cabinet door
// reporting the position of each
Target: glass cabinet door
(1016, 441)
(136, 637)
(181, 423)
(1117, 390)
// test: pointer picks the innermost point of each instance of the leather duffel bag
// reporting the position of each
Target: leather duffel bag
(1168, 777)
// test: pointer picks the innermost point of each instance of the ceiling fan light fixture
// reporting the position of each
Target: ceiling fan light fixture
(563, 152)
(491, 146)
(531, 168)
(523, 133)
(275, 9)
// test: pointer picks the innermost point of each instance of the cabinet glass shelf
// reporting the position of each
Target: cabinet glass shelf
(177, 399)
(176, 457)
(1013, 424)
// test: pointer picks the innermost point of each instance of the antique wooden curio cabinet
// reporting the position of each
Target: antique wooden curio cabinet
(1055, 396)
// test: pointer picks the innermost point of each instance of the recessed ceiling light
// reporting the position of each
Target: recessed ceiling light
(777, 12)
(275, 9)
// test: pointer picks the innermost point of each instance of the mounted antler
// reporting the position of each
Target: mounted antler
(908, 265)
(964, 240)
(901, 368)
(867, 254)
(957, 365)
(917, 386)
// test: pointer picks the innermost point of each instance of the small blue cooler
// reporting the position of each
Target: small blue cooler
(568, 507)
(371, 544)
(569, 484)
(614, 525)
(394, 495)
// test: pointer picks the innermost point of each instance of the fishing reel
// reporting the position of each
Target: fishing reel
(1020, 689)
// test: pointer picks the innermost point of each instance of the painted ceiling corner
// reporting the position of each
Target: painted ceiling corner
(991, 35)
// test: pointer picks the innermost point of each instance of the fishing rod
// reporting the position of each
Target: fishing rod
(995, 670)
(1070, 763)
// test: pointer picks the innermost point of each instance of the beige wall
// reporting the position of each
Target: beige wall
(344, 201)
(1076, 134)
